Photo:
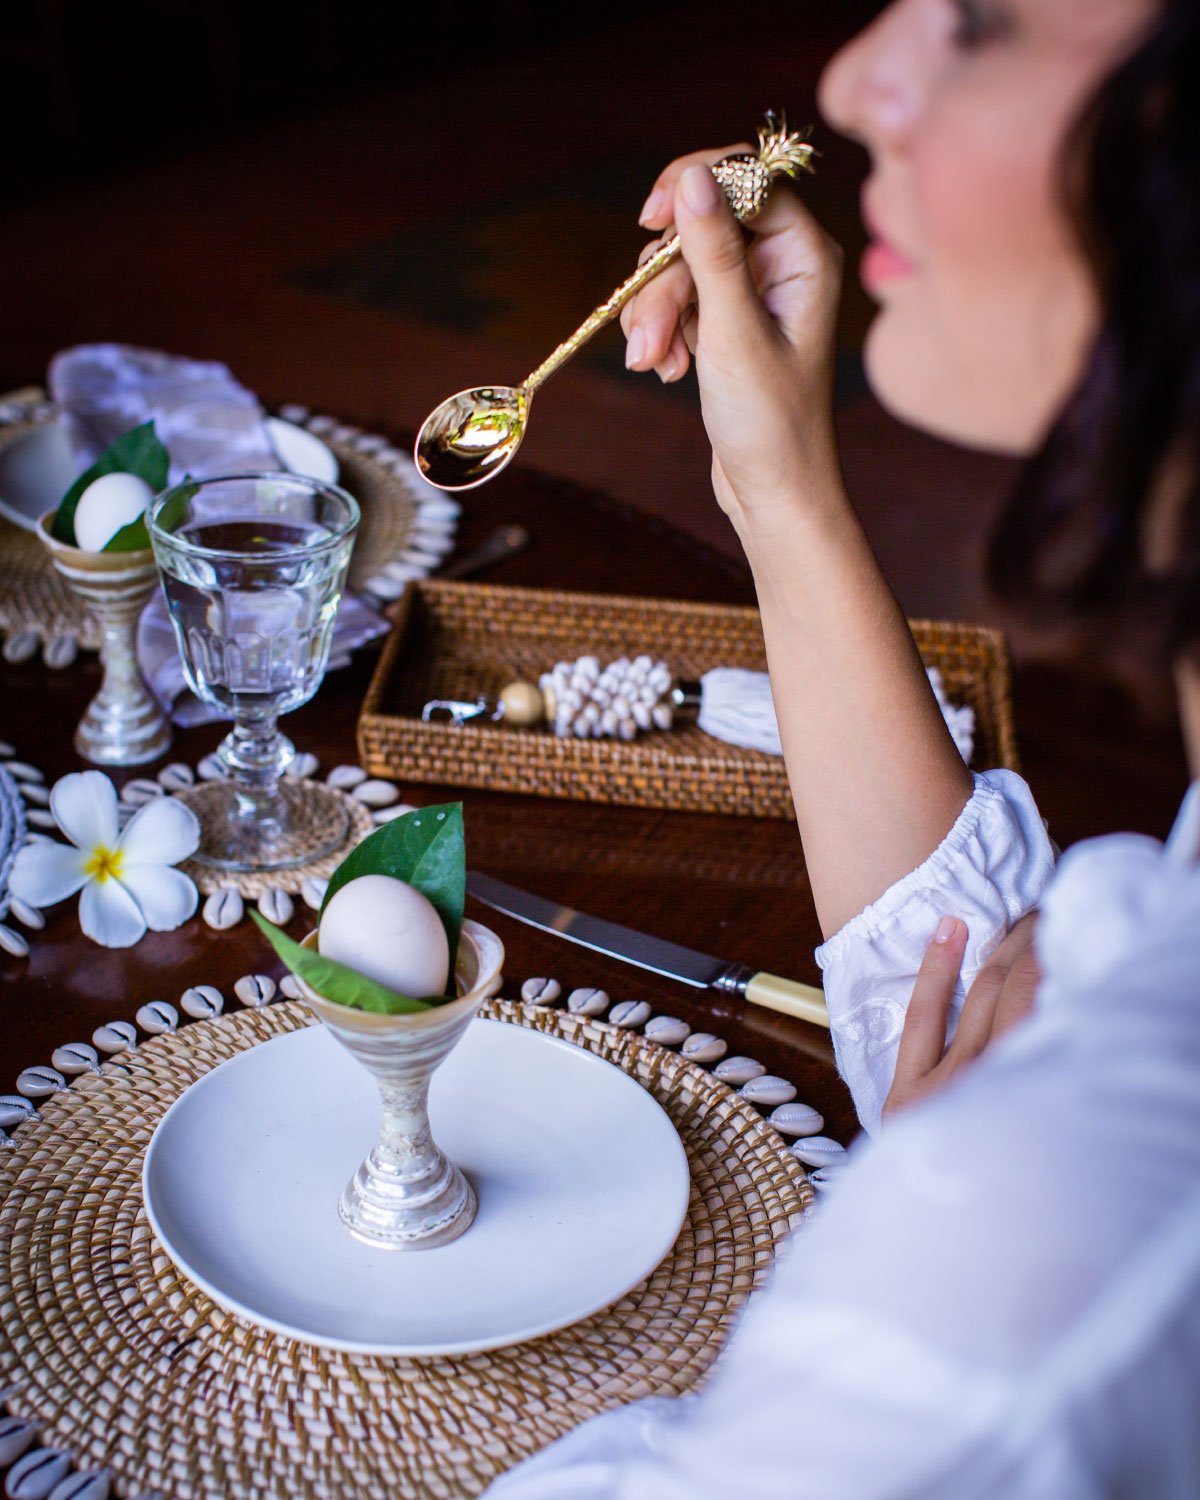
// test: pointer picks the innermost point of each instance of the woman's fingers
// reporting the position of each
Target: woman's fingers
(660, 205)
(1023, 978)
(923, 1039)
(714, 247)
(673, 365)
(652, 319)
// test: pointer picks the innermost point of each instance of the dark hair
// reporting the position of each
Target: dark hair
(1073, 533)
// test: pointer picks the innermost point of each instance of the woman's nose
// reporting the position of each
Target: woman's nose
(872, 89)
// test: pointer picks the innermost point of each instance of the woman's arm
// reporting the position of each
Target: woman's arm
(876, 779)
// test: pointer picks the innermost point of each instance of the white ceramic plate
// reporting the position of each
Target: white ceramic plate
(582, 1182)
(37, 468)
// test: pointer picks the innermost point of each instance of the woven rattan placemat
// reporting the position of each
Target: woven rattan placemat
(127, 1366)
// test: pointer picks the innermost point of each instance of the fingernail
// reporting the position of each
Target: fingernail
(653, 206)
(946, 929)
(635, 349)
(666, 371)
(700, 190)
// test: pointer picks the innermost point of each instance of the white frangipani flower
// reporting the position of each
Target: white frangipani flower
(126, 877)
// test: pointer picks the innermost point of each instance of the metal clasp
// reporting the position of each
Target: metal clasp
(459, 711)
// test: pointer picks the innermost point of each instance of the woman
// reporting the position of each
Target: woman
(1003, 1296)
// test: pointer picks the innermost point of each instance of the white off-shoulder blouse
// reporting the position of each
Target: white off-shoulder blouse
(1001, 1298)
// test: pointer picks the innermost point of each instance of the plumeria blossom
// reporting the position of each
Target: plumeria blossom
(126, 878)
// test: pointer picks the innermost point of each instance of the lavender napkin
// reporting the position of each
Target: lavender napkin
(209, 422)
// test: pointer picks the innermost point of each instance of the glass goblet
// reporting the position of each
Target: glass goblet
(253, 566)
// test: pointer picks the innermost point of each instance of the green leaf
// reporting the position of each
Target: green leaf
(427, 849)
(136, 535)
(334, 981)
(131, 538)
(135, 452)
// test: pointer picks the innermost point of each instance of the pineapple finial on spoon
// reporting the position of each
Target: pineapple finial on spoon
(474, 434)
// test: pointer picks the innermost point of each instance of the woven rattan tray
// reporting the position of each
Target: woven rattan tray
(126, 1366)
(455, 640)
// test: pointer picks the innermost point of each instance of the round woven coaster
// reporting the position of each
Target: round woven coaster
(124, 1363)
(33, 598)
(315, 808)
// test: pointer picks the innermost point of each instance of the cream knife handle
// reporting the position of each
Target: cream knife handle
(790, 998)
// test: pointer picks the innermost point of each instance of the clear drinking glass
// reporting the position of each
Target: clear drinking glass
(252, 567)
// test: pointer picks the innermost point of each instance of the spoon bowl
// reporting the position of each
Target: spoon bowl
(472, 435)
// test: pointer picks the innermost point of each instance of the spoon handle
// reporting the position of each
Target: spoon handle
(604, 314)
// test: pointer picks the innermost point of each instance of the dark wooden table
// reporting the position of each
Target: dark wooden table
(735, 887)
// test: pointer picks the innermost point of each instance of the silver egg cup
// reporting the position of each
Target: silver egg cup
(407, 1194)
(123, 724)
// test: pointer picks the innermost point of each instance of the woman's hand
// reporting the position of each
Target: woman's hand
(1001, 995)
(759, 317)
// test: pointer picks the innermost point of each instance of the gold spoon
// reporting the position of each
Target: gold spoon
(471, 436)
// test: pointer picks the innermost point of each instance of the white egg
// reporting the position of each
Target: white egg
(383, 928)
(108, 503)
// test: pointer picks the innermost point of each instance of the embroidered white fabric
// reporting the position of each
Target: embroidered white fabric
(1001, 1301)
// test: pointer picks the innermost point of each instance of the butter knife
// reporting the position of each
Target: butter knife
(656, 954)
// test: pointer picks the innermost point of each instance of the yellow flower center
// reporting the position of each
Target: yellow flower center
(104, 864)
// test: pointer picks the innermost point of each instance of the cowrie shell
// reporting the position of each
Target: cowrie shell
(21, 770)
(27, 915)
(202, 1001)
(15, 1110)
(737, 1070)
(768, 1090)
(255, 990)
(141, 790)
(210, 768)
(35, 792)
(290, 986)
(826, 1177)
(35, 1475)
(157, 1017)
(541, 991)
(40, 1082)
(346, 778)
(796, 1119)
(21, 646)
(116, 1036)
(60, 651)
(303, 766)
(41, 818)
(15, 1436)
(376, 793)
(702, 1047)
(667, 1031)
(12, 942)
(93, 1485)
(224, 908)
(629, 1013)
(397, 810)
(75, 1058)
(276, 905)
(177, 776)
(313, 891)
(819, 1151)
(588, 1001)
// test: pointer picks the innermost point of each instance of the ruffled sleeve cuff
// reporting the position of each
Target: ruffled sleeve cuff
(991, 868)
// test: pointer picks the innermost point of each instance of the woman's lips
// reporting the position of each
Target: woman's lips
(883, 263)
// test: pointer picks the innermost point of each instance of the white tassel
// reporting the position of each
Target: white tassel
(736, 706)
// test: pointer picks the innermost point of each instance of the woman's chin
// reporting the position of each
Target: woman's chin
(933, 394)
